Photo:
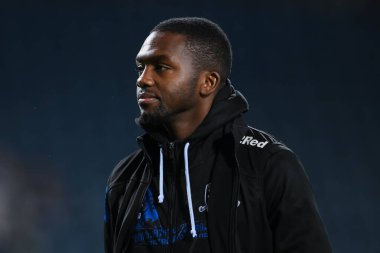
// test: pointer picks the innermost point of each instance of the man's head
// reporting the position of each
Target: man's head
(206, 42)
(181, 68)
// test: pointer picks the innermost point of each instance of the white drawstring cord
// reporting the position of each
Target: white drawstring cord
(188, 190)
(161, 196)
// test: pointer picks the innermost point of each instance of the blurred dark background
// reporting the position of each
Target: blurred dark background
(67, 104)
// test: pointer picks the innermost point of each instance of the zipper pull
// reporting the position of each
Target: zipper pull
(171, 150)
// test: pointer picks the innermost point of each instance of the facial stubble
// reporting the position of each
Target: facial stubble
(162, 115)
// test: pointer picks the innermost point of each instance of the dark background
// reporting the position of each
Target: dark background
(67, 104)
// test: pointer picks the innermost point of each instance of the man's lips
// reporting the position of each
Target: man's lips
(146, 98)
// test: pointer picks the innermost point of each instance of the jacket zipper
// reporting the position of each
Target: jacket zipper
(235, 195)
(140, 202)
(171, 201)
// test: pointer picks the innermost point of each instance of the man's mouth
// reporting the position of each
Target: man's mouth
(147, 98)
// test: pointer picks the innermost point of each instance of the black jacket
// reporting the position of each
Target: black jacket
(260, 199)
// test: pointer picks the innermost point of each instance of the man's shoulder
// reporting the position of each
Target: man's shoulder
(255, 147)
(125, 168)
(255, 139)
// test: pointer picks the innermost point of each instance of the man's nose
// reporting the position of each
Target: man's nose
(145, 79)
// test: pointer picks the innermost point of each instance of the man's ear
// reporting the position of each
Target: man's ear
(210, 83)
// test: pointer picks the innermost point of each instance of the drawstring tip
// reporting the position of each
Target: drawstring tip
(161, 195)
(193, 233)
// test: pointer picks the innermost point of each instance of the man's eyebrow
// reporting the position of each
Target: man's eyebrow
(151, 58)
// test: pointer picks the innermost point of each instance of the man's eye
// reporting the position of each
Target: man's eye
(139, 69)
(161, 68)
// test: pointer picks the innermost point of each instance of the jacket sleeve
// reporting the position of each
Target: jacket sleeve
(293, 215)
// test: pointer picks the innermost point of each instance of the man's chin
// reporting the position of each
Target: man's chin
(150, 120)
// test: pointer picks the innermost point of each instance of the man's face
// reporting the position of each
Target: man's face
(166, 86)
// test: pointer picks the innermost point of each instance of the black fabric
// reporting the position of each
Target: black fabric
(176, 199)
(260, 198)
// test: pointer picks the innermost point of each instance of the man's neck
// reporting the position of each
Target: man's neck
(184, 126)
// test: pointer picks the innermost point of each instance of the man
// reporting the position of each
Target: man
(202, 180)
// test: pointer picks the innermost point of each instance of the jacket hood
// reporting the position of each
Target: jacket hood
(227, 105)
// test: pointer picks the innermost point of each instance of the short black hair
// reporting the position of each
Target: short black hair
(206, 41)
